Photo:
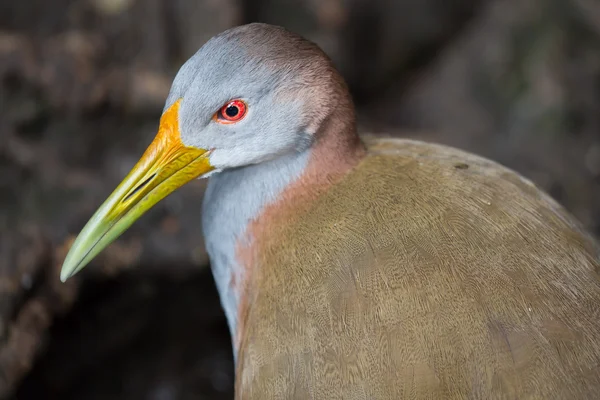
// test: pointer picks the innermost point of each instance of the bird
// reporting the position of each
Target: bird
(354, 266)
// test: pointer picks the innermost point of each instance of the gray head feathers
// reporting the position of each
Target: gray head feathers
(289, 84)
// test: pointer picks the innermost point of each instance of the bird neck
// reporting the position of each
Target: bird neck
(240, 204)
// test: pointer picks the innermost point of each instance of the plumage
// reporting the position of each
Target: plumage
(362, 268)
(426, 272)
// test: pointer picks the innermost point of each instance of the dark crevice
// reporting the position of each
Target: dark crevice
(162, 333)
(34, 128)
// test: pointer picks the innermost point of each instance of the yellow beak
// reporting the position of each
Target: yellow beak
(165, 166)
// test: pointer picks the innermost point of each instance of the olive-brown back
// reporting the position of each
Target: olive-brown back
(426, 273)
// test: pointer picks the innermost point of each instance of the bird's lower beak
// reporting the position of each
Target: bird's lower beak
(166, 165)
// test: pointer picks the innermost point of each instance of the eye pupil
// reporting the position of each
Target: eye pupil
(232, 111)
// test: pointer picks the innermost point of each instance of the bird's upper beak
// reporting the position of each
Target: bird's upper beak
(166, 165)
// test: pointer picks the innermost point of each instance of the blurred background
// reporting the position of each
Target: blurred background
(82, 85)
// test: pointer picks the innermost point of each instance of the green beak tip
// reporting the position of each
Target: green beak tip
(66, 273)
(92, 239)
(70, 267)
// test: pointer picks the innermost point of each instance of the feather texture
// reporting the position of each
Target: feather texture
(425, 273)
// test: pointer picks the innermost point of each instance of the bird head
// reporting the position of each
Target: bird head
(249, 95)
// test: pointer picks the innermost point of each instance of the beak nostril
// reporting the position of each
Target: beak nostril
(138, 188)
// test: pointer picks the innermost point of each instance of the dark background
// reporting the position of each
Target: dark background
(82, 84)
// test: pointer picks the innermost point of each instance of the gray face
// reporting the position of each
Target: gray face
(274, 75)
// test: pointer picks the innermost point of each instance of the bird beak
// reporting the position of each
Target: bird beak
(166, 165)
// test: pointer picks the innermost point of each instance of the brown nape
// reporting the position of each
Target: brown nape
(331, 115)
(336, 150)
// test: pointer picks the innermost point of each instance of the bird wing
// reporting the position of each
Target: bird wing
(426, 273)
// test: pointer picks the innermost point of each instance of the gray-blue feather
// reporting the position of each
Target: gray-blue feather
(233, 199)
(276, 72)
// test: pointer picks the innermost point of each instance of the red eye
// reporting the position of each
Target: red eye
(231, 112)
